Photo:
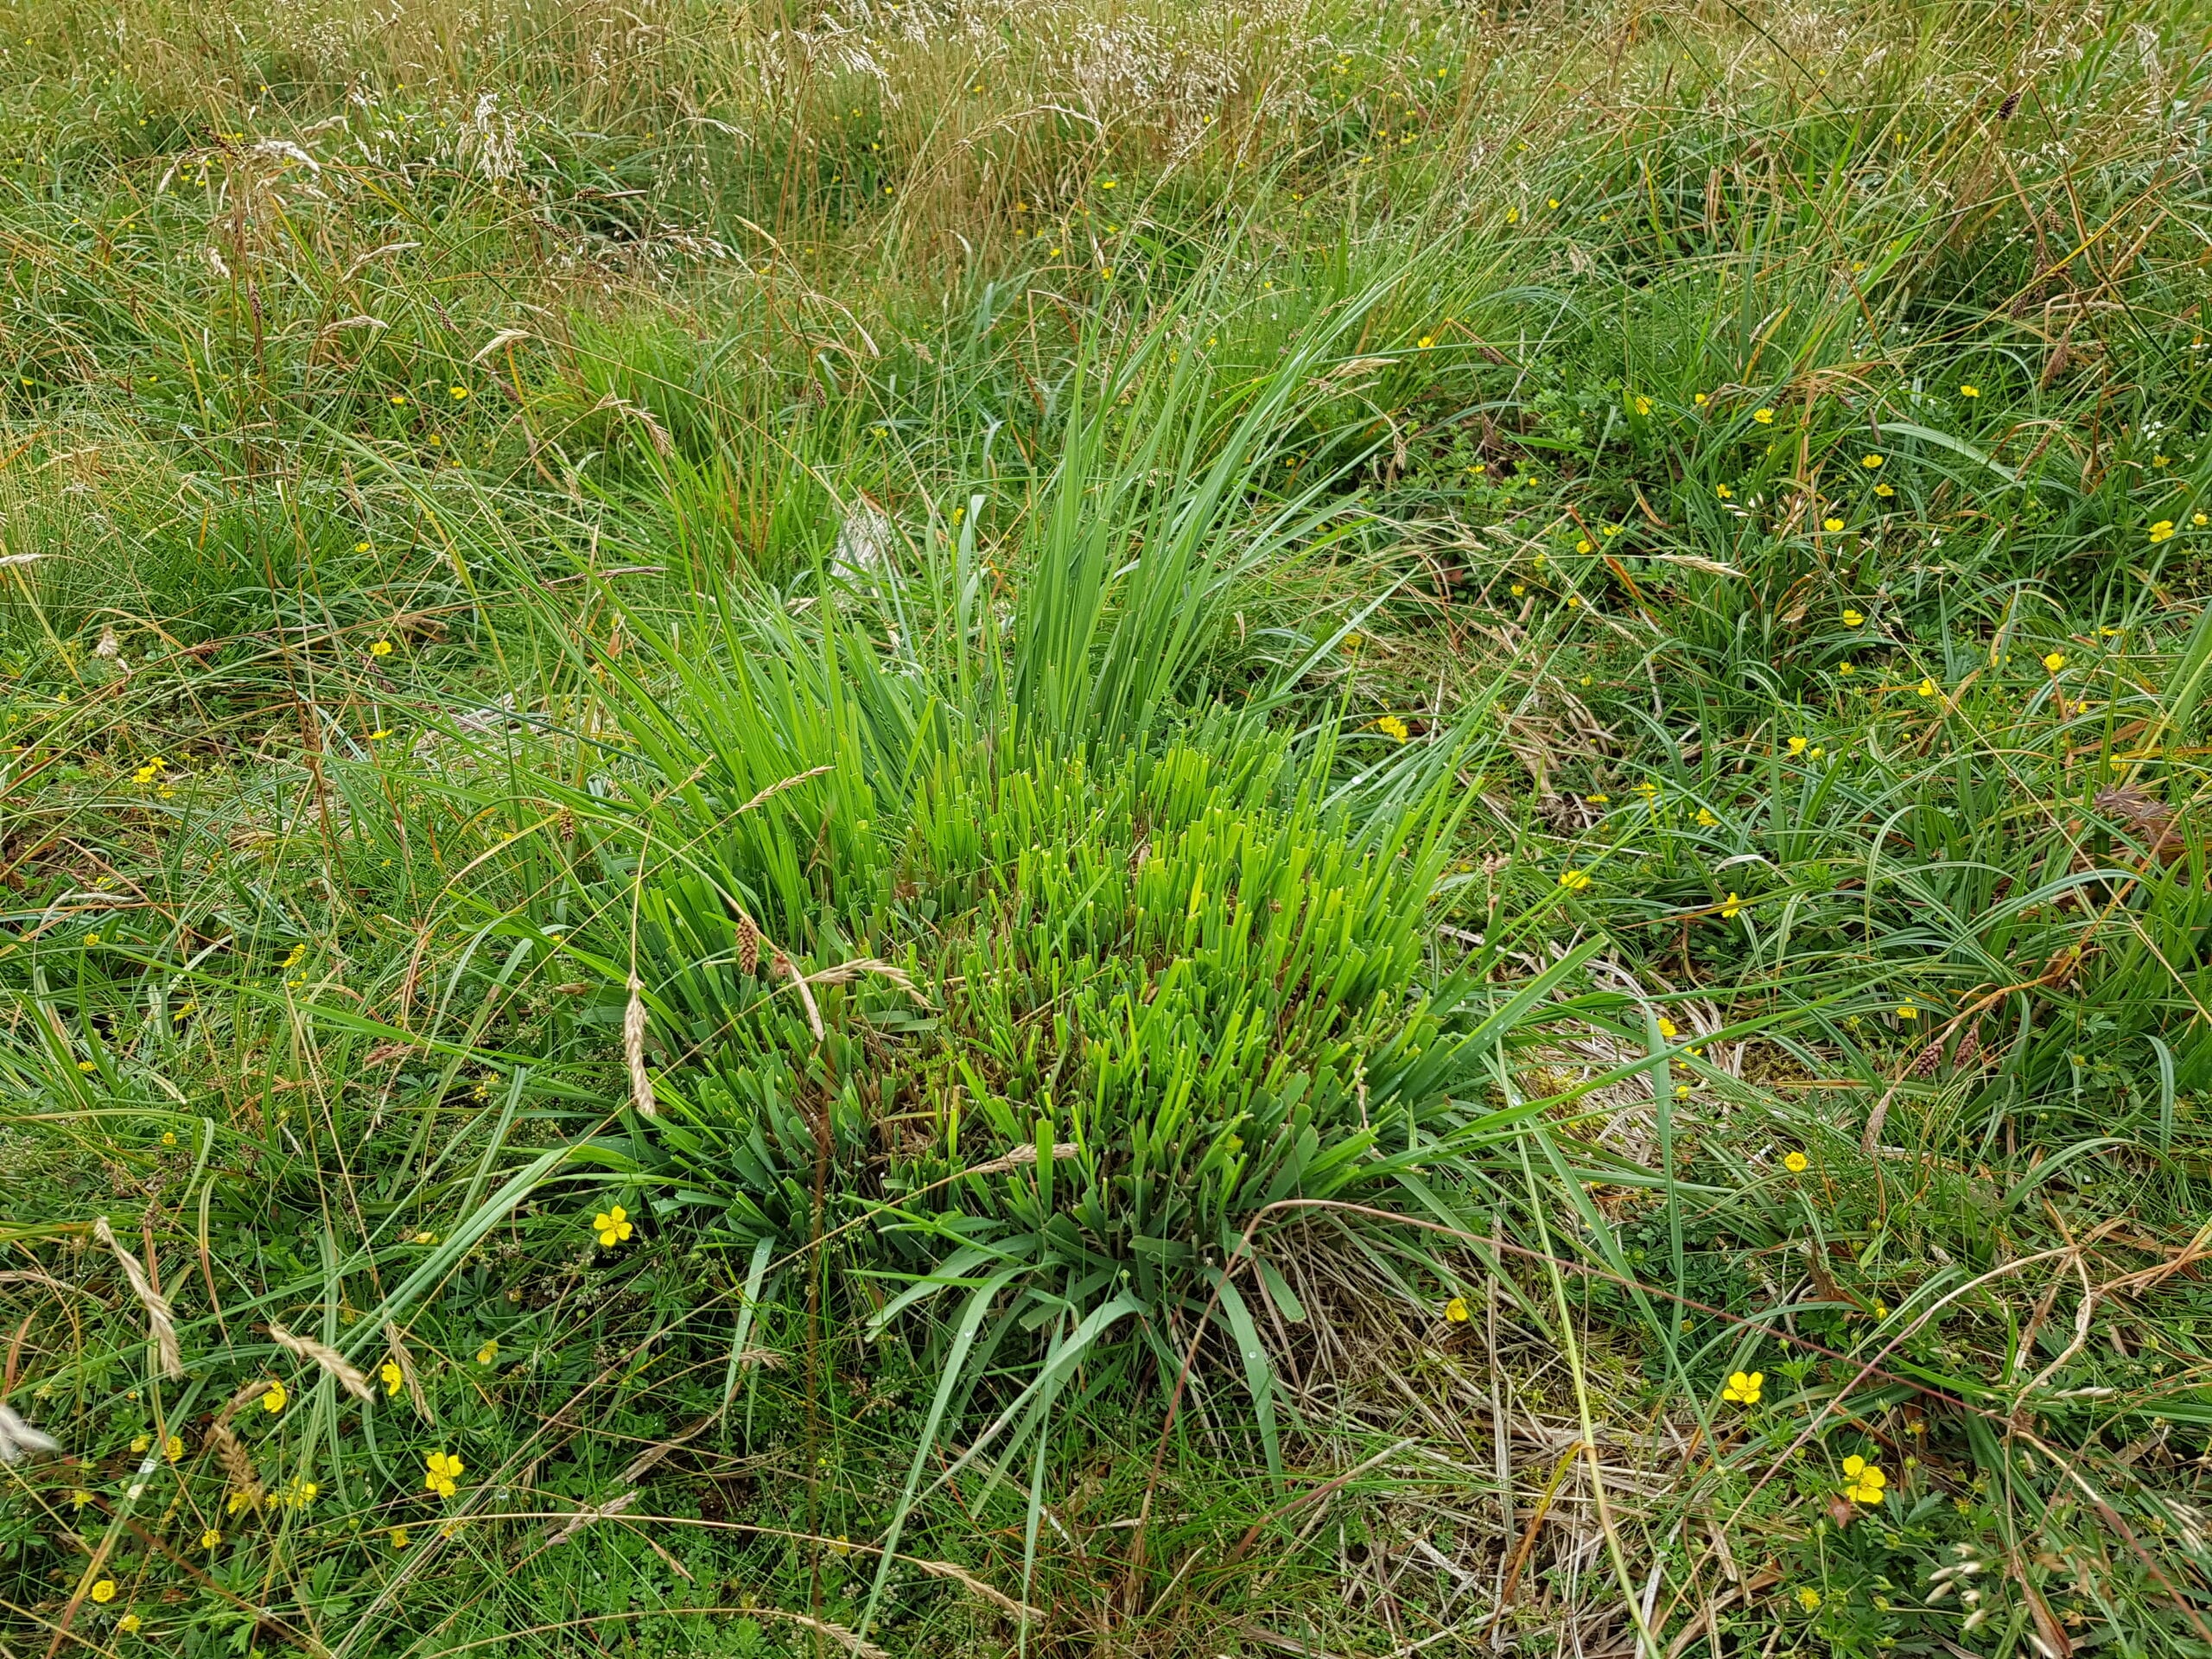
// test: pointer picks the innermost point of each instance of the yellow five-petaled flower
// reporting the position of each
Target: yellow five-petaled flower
(2055, 661)
(1796, 1162)
(1391, 727)
(394, 1378)
(1456, 1310)
(1867, 1481)
(1744, 1387)
(440, 1471)
(1573, 880)
(613, 1225)
(104, 1590)
(273, 1400)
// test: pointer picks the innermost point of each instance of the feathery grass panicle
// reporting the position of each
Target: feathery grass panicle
(347, 1375)
(160, 1321)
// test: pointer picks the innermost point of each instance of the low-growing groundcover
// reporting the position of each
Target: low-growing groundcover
(1328, 830)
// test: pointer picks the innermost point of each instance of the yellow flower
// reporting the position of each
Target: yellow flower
(381, 648)
(140, 1442)
(1871, 462)
(1831, 524)
(457, 392)
(381, 734)
(1881, 1310)
(1818, 752)
(1884, 490)
(90, 1066)
(1809, 1599)
(1906, 1011)
(1681, 1091)
(1796, 1162)
(612, 1226)
(1744, 1386)
(2199, 520)
(1643, 405)
(210, 1538)
(1391, 727)
(273, 1400)
(440, 1471)
(1425, 341)
(1573, 601)
(172, 1448)
(129, 1624)
(1573, 880)
(104, 1590)
(394, 1378)
(169, 1137)
(1867, 1481)
(1456, 1310)
(1927, 687)
(1520, 590)
(1701, 400)
(1797, 746)
(1704, 818)
(398, 1536)
(1969, 391)
(361, 547)
(1723, 492)
(1764, 416)
(1731, 906)
(2056, 661)
(80, 1497)
(1585, 545)
(2162, 531)
(1552, 202)
(1667, 1028)
(489, 1352)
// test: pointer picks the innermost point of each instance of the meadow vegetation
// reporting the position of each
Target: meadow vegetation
(1318, 827)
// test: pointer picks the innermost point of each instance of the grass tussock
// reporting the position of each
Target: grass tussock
(1167, 829)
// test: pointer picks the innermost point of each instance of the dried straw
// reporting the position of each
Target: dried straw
(851, 1640)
